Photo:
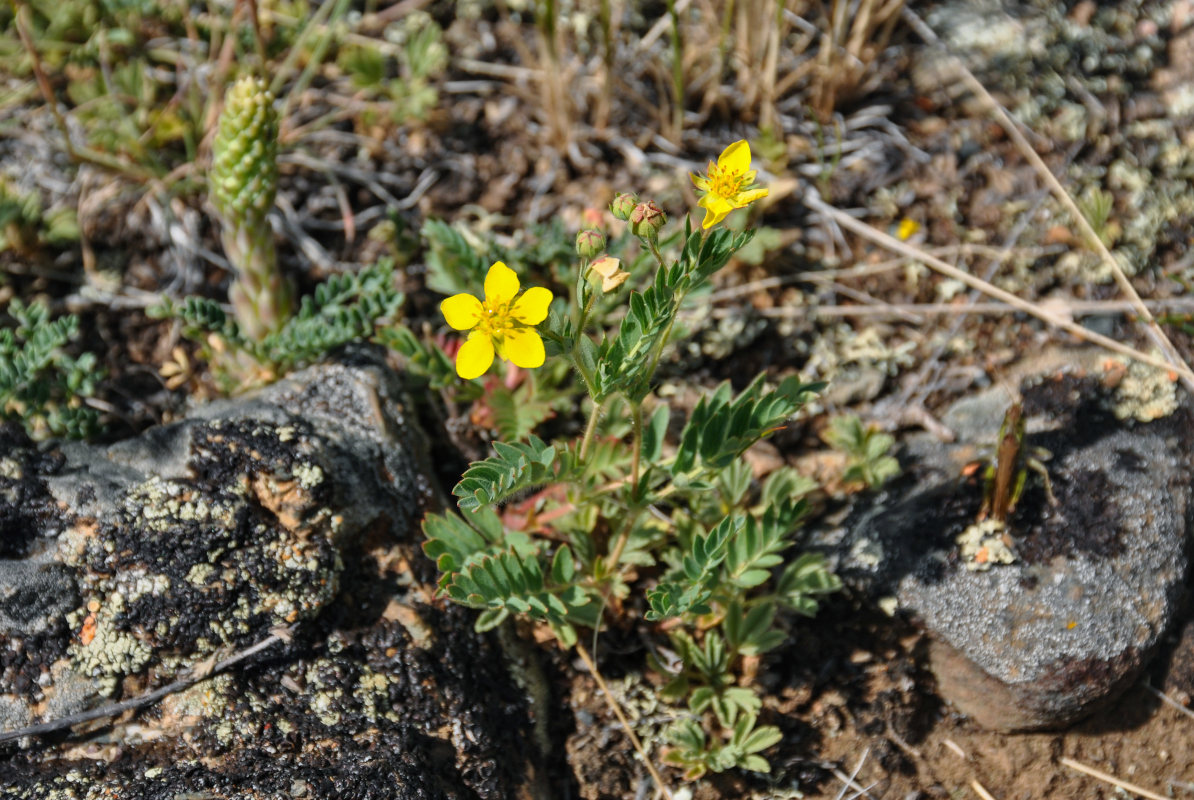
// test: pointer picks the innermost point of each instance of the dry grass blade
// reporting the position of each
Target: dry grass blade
(1154, 329)
(895, 245)
(616, 707)
(1170, 701)
(850, 783)
(1074, 308)
(981, 791)
(1111, 779)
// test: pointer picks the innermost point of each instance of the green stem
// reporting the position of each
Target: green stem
(677, 70)
(653, 245)
(584, 315)
(636, 424)
(615, 554)
(590, 430)
(662, 341)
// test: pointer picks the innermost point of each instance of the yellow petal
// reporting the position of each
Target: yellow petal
(606, 266)
(701, 182)
(524, 347)
(475, 356)
(462, 311)
(614, 281)
(743, 199)
(501, 284)
(531, 308)
(716, 209)
(736, 157)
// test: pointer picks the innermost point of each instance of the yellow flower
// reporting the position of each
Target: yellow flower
(501, 324)
(728, 184)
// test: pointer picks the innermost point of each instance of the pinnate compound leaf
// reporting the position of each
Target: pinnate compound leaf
(513, 468)
(803, 581)
(508, 581)
(721, 428)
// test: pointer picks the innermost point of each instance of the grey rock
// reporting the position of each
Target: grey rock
(127, 566)
(1098, 580)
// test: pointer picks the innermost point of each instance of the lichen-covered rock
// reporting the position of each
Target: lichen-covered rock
(1096, 581)
(125, 567)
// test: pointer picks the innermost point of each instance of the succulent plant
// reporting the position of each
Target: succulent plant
(243, 184)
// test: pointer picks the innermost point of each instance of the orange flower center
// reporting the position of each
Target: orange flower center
(724, 182)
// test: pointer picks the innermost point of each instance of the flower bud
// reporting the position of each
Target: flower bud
(589, 243)
(646, 220)
(623, 205)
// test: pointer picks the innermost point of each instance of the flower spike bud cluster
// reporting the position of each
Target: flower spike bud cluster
(501, 324)
(243, 184)
(728, 185)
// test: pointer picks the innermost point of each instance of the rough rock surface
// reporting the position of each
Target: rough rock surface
(1097, 580)
(124, 567)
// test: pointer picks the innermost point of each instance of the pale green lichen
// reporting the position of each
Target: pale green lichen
(1145, 392)
(199, 574)
(110, 655)
(983, 544)
(308, 475)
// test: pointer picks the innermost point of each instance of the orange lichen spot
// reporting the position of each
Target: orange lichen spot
(88, 632)
(1071, 625)
(982, 556)
(93, 606)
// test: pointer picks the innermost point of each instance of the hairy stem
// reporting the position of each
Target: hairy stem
(590, 429)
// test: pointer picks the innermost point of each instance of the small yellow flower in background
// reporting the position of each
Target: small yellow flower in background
(907, 228)
(728, 184)
(501, 324)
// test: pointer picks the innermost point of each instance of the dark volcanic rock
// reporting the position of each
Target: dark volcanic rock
(1096, 583)
(125, 567)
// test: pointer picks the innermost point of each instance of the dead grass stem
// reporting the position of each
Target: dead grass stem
(1153, 329)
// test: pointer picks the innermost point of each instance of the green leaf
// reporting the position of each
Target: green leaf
(752, 553)
(720, 429)
(490, 619)
(514, 468)
(562, 567)
(654, 434)
(804, 580)
(453, 264)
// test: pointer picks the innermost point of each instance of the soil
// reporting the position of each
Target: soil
(850, 690)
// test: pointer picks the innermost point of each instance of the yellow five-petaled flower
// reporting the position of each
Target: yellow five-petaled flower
(501, 324)
(728, 184)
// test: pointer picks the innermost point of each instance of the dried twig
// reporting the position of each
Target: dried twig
(199, 673)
